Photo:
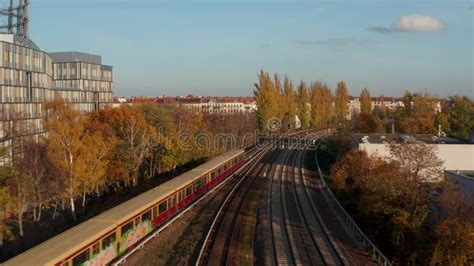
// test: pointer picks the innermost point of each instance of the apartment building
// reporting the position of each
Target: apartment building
(390, 103)
(30, 77)
(210, 105)
(222, 105)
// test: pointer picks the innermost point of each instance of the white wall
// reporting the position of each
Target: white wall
(455, 156)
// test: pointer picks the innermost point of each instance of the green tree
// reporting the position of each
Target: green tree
(341, 103)
(442, 119)
(365, 102)
(407, 100)
(461, 116)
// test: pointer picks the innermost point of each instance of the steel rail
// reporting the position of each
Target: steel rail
(141, 243)
(360, 235)
(228, 198)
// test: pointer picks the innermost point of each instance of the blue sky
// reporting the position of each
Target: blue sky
(218, 47)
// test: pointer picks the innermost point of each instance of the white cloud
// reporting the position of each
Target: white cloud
(418, 23)
(411, 23)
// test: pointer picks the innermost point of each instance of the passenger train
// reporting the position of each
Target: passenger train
(105, 237)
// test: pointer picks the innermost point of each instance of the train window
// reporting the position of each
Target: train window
(108, 241)
(171, 201)
(95, 249)
(137, 221)
(189, 190)
(180, 196)
(213, 175)
(146, 216)
(126, 228)
(162, 207)
(197, 185)
(81, 258)
(155, 211)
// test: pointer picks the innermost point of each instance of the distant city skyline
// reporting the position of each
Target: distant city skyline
(217, 48)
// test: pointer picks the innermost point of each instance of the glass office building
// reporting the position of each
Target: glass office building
(30, 77)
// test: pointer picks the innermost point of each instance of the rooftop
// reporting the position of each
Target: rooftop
(400, 138)
(72, 56)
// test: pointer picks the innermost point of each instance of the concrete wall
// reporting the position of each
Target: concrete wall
(466, 183)
(455, 156)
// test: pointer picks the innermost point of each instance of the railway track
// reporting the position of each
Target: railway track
(299, 236)
(215, 249)
(252, 156)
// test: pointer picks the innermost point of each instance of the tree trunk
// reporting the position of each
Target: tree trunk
(73, 207)
(40, 211)
(134, 181)
(20, 224)
(84, 201)
(55, 210)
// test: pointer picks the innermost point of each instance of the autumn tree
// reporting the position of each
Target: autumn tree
(94, 164)
(303, 100)
(19, 193)
(385, 200)
(365, 102)
(418, 161)
(267, 97)
(5, 203)
(136, 137)
(164, 155)
(454, 238)
(35, 167)
(288, 105)
(420, 117)
(77, 152)
(455, 245)
(341, 103)
(321, 104)
(65, 129)
(367, 123)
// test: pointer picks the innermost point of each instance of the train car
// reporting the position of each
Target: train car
(105, 237)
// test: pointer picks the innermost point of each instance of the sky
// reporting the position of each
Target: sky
(218, 47)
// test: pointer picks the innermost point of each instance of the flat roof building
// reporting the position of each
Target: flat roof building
(30, 77)
(456, 154)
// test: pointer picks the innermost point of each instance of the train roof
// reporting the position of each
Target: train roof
(67, 242)
(81, 235)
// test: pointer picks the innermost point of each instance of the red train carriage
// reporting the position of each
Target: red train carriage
(105, 237)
